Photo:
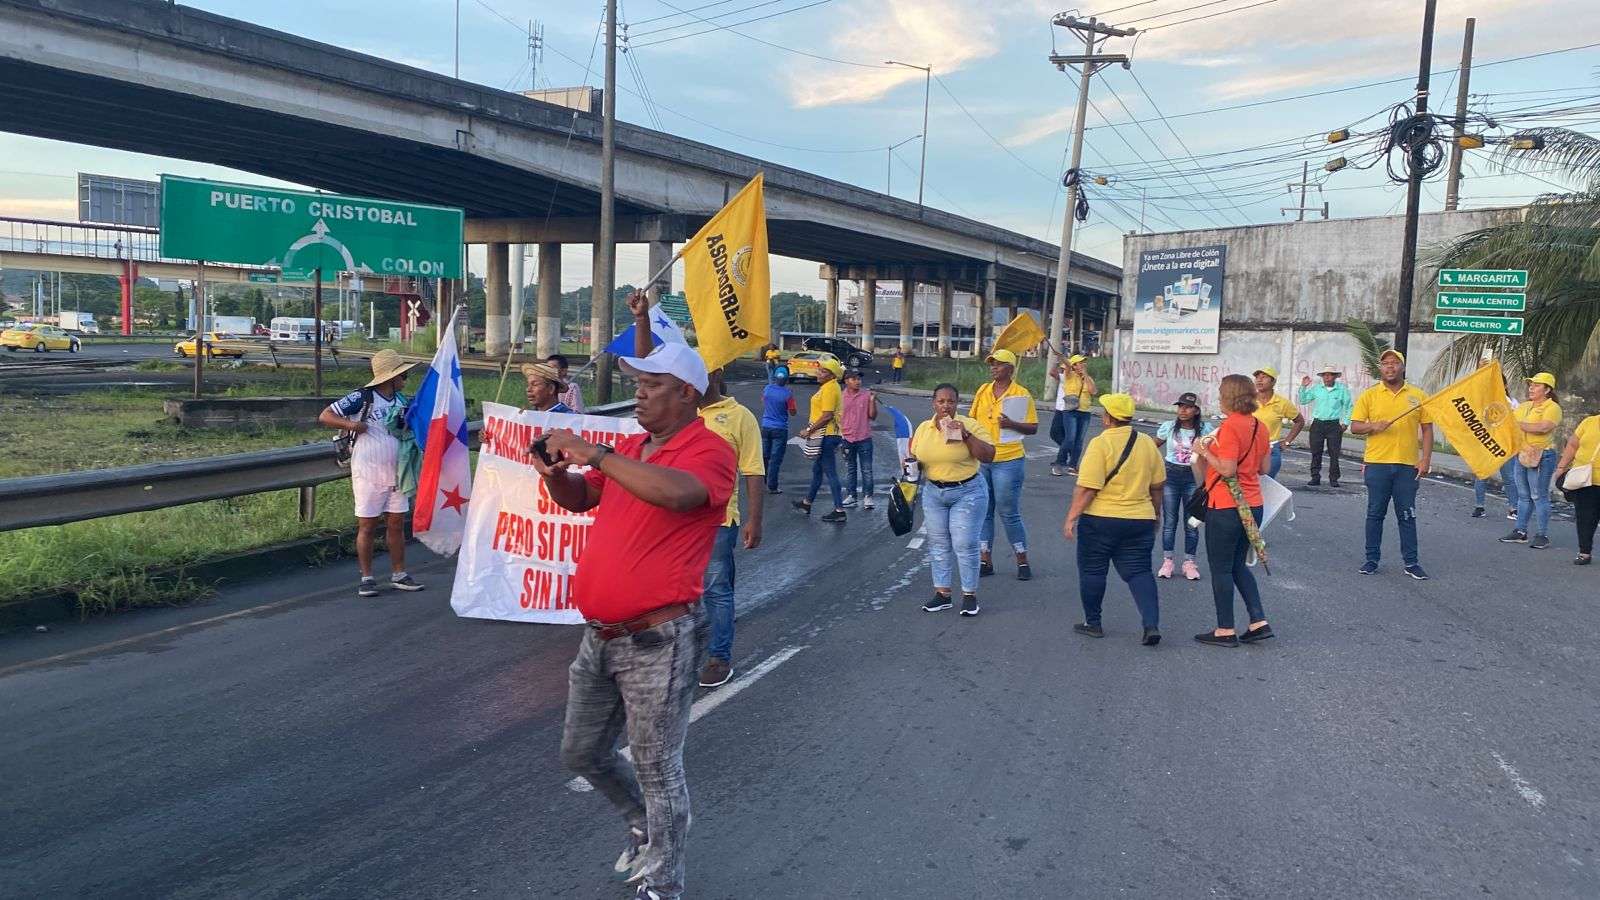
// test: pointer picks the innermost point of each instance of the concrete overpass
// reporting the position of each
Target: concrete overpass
(152, 77)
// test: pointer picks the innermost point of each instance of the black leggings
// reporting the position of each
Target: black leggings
(1226, 548)
(1587, 502)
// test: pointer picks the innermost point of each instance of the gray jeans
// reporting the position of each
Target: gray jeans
(645, 683)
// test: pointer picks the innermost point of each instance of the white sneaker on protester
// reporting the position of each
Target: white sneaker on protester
(866, 503)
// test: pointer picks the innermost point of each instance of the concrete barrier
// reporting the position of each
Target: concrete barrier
(245, 412)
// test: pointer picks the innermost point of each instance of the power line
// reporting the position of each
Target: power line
(990, 135)
(1226, 12)
(1213, 219)
(674, 15)
(1174, 132)
(1173, 12)
(731, 12)
(729, 28)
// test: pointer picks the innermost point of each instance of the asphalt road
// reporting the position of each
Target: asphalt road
(1399, 738)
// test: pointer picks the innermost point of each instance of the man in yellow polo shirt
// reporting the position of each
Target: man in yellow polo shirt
(1004, 476)
(1273, 409)
(1399, 452)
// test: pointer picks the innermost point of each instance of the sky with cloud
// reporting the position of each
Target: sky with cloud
(804, 83)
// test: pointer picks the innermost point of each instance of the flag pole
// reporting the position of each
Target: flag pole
(648, 284)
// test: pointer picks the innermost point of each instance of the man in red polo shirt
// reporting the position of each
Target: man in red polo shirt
(658, 499)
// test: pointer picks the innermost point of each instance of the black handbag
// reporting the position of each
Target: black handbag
(1199, 502)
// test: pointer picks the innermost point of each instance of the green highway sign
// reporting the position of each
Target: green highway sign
(1508, 325)
(262, 278)
(1485, 300)
(309, 275)
(1483, 278)
(299, 231)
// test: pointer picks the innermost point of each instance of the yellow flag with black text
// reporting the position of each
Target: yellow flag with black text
(1020, 335)
(726, 279)
(1476, 419)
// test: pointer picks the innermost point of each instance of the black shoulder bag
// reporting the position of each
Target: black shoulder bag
(345, 443)
(1199, 502)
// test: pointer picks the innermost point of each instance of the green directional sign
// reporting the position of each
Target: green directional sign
(1485, 300)
(262, 278)
(1507, 325)
(1483, 278)
(299, 231)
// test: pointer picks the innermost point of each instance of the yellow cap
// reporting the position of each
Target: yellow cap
(1268, 371)
(1393, 352)
(834, 366)
(1003, 356)
(1120, 406)
(1075, 359)
(1544, 378)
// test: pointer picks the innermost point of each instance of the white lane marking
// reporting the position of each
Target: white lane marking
(1527, 791)
(914, 544)
(709, 702)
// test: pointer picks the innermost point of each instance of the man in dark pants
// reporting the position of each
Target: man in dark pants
(1330, 415)
(1399, 453)
(658, 498)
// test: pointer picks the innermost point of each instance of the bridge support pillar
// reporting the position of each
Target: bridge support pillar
(658, 254)
(599, 327)
(548, 323)
(908, 312)
(986, 300)
(497, 293)
(947, 303)
(830, 313)
(869, 313)
(519, 280)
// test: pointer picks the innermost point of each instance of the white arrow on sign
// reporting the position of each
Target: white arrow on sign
(319, 235)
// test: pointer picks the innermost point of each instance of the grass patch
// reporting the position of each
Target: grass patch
(970, 374)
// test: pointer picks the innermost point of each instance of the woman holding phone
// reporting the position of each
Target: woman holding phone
(949, 448)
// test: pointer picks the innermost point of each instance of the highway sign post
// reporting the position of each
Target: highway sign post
(1484, 278)
(1490, 301)
(1509, 326)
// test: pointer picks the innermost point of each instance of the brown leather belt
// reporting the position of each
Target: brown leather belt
(649, 620)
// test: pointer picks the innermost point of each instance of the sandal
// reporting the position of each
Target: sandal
(1583, 559)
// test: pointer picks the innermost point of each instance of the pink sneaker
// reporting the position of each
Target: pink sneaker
(1166, 568)
(1190, 570)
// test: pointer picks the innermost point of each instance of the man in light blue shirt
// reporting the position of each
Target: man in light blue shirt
(1330, 415)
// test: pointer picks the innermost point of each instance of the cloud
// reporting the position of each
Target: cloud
(39, 208)
(1038, 129)
(946, 34)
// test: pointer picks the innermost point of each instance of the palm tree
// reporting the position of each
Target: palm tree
(1558, 242)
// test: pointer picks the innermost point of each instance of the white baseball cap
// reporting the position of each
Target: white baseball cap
(681, 361)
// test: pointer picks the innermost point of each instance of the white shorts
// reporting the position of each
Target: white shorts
(373, 501)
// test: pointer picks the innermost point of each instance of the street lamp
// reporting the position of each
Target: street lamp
(888, 182)
(927, 85)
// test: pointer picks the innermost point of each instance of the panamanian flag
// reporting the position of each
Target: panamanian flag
(662, 331)
(438, 418)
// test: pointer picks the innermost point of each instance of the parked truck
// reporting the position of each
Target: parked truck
(233, 326)
(80, 322)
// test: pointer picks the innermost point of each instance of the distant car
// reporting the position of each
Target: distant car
(185, 347)
(805, 365)
(844, 351)
(38, 338)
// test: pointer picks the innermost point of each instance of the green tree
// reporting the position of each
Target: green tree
(792, 311)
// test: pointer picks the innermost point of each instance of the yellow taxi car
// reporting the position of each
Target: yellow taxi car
(805, 365)
(38, 337)
(185, 347)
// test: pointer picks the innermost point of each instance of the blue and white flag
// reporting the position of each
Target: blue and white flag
(662, 331)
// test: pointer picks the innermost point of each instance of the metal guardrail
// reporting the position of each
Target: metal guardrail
(78, 496)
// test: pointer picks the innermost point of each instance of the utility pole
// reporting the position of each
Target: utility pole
(605, 270)
(1093, 34)
(458, 40)
(1305, 182)
(1452, 191)
(535, 53)
(1408, 249)
(927, 86)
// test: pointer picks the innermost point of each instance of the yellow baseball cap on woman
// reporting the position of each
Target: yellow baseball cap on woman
(1002, 356)
(1120, 406)
(1544, 378)
(1075, 359)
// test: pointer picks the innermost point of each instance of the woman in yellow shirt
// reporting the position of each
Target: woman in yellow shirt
(1116, 509)
(1004, 475)
(1536, 421)
(1583, 448)
(950, 448)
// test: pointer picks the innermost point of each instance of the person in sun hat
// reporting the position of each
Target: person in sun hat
(1330, 415)
(374, 460)
(545, 387)
(1004, 474)
(1537, 420)
(1399, 452)
(1273, 410)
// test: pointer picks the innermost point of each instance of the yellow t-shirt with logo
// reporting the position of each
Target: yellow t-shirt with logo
(1588, 435)
(944, 460)
(1273, 413)
(1401, 443)
(1128, 494)
(986, 409)
(1543, 411)
(827, 399)
(739, 428)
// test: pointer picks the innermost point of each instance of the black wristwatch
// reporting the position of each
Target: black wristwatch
(603, 450)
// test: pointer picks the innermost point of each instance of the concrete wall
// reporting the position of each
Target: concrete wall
(1289, 289)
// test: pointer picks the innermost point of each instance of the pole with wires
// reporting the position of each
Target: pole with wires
(605, 253)
(1452, 190)
(1416, 168)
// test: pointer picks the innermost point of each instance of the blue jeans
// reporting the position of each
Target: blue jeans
(1396, 483)
(1508, 480)
(951, 517)
(1277, 460)
(1005, 493)
(1227, 548)
(858, 456)
(1069, 429)
(773, 443)
(1180, 484)
(1126, 543)
(827, 463)
(1533, 491)
(718, 596)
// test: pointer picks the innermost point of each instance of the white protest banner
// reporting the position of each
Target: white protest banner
(521, 548)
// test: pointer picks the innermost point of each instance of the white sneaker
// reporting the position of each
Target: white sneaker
(867, 503)
(849, 503)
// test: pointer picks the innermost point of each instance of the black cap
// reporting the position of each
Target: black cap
(1189, 399)
(852, 373)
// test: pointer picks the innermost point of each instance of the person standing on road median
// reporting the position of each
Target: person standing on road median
(1004, 475)
(1075, 392)
(658, 499)
(824, 424)
(898, 365)
(1399, 452)
(1228, 466)
(858, 409)
(1537, 421)
(571, 395)
(1583, 449)
(777, 407)
(1330, 415)
(772, 358)
(949, 448)
(374, 460)
(1273, 410)
(1116, 507)
(1177, 439)
(545, 388)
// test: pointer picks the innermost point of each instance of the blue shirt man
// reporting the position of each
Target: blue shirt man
(777, 405)
(1330, 415)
